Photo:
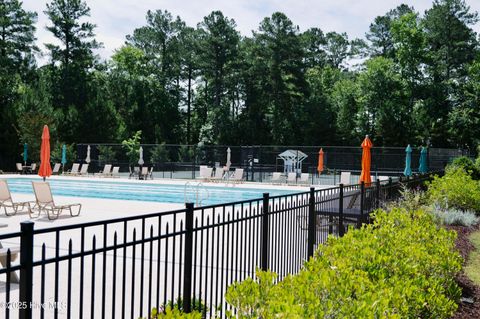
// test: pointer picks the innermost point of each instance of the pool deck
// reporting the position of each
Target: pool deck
(95, 209)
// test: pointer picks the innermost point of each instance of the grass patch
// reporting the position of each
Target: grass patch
(473, 266)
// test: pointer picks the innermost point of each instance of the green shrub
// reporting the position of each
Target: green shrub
(410, 199)
(174, 313)
(455, 217)
(456, 189)
(467, 165)
(401, 266)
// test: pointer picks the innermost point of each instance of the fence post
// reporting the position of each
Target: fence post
(341, 230)
(187, 257)
(377, 195)
(26, 269)
(362, 203)
(390, 190)
(311, 222)
(265, 226)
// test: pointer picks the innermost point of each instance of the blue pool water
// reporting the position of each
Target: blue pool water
(140, 191)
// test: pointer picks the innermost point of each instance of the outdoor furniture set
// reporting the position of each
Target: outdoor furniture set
(220, 174)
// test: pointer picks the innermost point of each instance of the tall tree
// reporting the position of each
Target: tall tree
(451, 46)
(218, 53)
(283, 84)
(382, 112)
(17, 48)
(160, 43)
(71, 61)
(380, 36)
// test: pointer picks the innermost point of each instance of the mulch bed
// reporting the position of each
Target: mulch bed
(469, 307)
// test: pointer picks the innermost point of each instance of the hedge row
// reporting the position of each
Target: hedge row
(401, 266)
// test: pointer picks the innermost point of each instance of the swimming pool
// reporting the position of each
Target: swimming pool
(164, 193)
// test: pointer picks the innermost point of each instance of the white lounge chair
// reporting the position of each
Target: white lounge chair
(304, 178)
(74, 170)
(56, 168)
(219, 174)
(106, 171)
(292, 178)
(277, 178)
(45, 203)
(14, 252)
(144, 173)
(345, 178)
(115, 171)
(84, 170)
(6, 202)
(205, 172)
(237, 176)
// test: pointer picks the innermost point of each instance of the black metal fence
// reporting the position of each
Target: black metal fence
(122, 268)
(182, 161)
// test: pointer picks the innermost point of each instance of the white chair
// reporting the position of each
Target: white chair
(277, 178)
(345, 178)
(143, 173)
(219, 174)
(9, 206)
(19, 168)
(34, 167)
(106, 171)
(292, 178)
(74, 170)
(115, 171)
(205, 172)
(44, 202)
(304, 178)
(84, 170)
(56, 168)
(237, 176)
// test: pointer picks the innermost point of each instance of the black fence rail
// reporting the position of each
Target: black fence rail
(123, 268)
(258, 162)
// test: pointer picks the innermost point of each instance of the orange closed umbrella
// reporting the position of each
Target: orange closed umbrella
(45, 169)
(366, 161)
(320, 161)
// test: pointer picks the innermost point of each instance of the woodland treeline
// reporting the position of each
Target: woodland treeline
(415, 78)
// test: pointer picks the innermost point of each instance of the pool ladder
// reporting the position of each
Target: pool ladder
(196, 193)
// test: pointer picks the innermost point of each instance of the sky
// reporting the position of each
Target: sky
(117, 18)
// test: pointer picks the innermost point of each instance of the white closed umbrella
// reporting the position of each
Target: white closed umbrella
(87, 160)
(229, 156)
(140, 160)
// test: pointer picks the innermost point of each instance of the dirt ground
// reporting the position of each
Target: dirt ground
(469, 306)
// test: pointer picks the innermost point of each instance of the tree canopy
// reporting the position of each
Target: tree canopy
(414, 79)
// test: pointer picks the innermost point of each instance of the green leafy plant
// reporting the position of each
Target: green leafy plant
(401, 266)
(467, 165)
(132, 146)
(106, 154)
(410, 199)
(456, 189)
(159, 154)
(174, 313)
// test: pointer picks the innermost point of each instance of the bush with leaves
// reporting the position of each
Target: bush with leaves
(106, 154)
(455, 217)
(401, 266)
(132, 147)
(468, 165)
(159, 154)
(456, 189)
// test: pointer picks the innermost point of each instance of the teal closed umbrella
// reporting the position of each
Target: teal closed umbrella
(25, 153)
(64, 156)
(423, 167)
(408, 161)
